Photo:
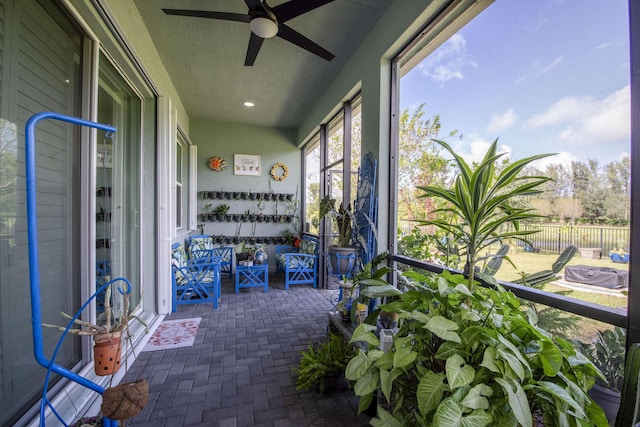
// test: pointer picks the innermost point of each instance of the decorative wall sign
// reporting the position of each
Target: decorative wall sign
(217, 163)
(246, 164)
(279, 171)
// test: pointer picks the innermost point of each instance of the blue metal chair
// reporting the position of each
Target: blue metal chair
(299, 265)
(194, 281)
(225, 254)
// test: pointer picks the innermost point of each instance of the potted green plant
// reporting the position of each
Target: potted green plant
(221, 210)
(343, 255)
(469, 357)
(323, 366)
(106, 333)
(464, 354)
(607, 354)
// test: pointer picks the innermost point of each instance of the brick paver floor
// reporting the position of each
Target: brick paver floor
(239, 372)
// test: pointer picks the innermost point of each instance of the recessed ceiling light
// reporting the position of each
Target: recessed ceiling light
(249, 104)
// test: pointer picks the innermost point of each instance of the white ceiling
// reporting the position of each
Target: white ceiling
(205, 58)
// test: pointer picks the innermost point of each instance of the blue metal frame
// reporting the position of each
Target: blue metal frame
(365, 209)
(34, 267)
(298, 268)
(194, 280)
(252, 276)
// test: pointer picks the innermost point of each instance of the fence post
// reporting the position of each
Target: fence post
(601, 242)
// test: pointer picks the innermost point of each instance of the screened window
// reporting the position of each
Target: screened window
(541, 77)
(312, 186)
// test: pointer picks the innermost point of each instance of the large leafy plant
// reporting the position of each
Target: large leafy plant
(480, 209)
(469, 357)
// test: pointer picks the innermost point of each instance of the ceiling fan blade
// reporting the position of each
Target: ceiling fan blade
(291, 35)
(255, 43)
(254, 4)
(237, 17)
(293, 8)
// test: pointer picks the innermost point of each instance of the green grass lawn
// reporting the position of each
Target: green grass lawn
(529, 262)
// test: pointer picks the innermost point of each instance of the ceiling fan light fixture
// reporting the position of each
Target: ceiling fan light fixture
(263, 27)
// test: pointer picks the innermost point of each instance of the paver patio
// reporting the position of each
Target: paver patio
(239, 370)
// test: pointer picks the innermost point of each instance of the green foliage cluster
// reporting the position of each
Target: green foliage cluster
(607, 353)
(481, 207)
(326, 359)
(470, 357)
(342, 217)
(429, 247)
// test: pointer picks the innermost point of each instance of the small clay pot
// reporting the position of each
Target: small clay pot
(107, 353)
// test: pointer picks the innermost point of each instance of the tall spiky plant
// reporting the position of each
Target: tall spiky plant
(481, 202)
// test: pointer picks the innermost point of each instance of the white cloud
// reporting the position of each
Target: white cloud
(448, 61)
(588, 121)
(475, 150)
(551, 66)
(501, 122)
(564, 158)
(602, 46)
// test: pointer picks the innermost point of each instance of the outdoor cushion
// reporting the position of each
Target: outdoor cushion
(295, 261)
(309, 246)
(200, 246)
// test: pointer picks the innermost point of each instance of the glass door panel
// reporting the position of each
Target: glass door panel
(117, 183)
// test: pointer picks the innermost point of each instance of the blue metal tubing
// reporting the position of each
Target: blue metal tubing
(52, 366)
(32, 234)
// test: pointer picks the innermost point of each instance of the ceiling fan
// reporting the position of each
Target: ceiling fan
(266, 22)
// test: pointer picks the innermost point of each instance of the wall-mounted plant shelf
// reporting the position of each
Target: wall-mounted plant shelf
(246, 195)
(276, 219)
(268, 240)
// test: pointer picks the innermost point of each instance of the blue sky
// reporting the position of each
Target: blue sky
(543, 76)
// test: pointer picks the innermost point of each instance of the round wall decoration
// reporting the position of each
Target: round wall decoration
(217, 163)
(279, 171)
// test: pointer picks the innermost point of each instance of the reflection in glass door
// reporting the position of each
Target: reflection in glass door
(117, 183)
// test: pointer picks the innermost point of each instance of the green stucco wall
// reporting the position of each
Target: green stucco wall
(225, 140)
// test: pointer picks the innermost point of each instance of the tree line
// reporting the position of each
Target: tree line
(582, 192)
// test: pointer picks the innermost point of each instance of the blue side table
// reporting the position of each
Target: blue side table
(252, 276)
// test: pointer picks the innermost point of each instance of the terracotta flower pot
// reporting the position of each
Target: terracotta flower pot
(107, 353)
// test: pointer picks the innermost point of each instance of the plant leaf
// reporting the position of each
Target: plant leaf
(386, 381)
(450, 414)
(357, 366)
(458, 372)
(551, 358)
(443, 328)
(489, 359)
(364, 333)
(404, 356)
(367, 384)
(512, 362)
(561, 393)
(381, 291)
(477, 397)
(517, 400)
(365, 402)
(385, 419)
(430, 391)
